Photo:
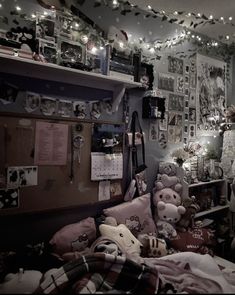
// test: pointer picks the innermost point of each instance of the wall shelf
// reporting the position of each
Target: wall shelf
(212, 210)
(52, 72)
(205, 183)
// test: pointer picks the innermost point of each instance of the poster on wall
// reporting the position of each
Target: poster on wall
(211, 92)
(22, 176)
(166, 82)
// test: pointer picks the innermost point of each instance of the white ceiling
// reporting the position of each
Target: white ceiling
(217, 8)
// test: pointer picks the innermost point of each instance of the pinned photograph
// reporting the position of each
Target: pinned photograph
(153, 132)
(192, 80)
(174, 134)
(180, 84)
(32, 102)
(192, 115)
(192, 131)
(107, 106)
(22, 176)
(95, 110)
(71, 51)
(186, 116)
(48, 50)
(8, 93)
(176, 102)
(65, 108)
(186, 79)
(174, 119)
(186, 92)
(9, 198)
(175, 65)
(187, 67)
(163, 123)
(64, 25)
(166, 82)
(45, 28)
(186, 104)
(192, 98)
(185, 141)
(79, 109)
(48, 105)
(115, 189)
(186, 129)
(162, 139)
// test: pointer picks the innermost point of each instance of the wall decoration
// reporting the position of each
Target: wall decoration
(175, 65)
(192, 98)
(9, 198)
(166, 103)
(185, 140)
(186, 129)
(163, 123)
(95, 108)
(176, 102)
(186, 116)
(70, 52)
(79, 109)
(192, 131)
(174, 134)
(166, 82)
(48, 105)
(192, 80)
(186, 91)
(186, 103)
(180, 84)
(104, 190)
(186, 70)
(192, 114)
(8, 93)
(32, 102)
(175, 119)
(48, 50)
(211, 92)
(186, 80)
(64, 25)
(115, 189)
(22, 176)
(153, 132)
(45, 28)
(107, 106)
(65, 108)
(162, 139)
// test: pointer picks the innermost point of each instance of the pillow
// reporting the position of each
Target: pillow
(74, 237)
(135, 214)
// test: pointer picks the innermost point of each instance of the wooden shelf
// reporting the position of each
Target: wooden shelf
(205, 183)
(53, 72)
(212, 210)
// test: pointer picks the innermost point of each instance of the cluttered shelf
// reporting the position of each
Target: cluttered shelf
(206, 182)
(211, 210)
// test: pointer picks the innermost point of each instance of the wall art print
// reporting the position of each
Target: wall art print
(211, 92)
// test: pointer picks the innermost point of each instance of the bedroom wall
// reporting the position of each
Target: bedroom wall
(151, 29)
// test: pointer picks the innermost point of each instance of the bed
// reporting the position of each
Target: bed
(102, 272)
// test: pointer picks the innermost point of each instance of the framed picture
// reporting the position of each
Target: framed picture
(49, 50)
(176, 102)
(175, 65)
(166, 82)
(180, 84)
(72, 52)
(45, 28)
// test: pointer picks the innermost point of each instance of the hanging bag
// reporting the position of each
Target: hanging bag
(138, 170)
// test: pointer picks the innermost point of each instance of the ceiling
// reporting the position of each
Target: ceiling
(216, 8)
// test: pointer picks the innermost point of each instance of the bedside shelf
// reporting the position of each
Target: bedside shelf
(205, 183)
(212, 210)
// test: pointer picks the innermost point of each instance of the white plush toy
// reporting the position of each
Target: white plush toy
(23, 282)
(119, 40)
(168, 215)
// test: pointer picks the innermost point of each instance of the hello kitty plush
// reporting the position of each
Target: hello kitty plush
(168, 216)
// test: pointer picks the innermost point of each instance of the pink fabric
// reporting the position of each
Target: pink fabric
(135, 214)
(74, 237)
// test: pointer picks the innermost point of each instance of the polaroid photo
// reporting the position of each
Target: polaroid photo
(9, 198)
(186, 104)
(192, 131)
(48, 50)
(187, 69)
(162, 139)
(174, 134)
(186, 92)
(175, 65)
(65, 108)
(32, 102)
(163, 123)
(48, 105)
(176, 102)
(72, 52)
(166, 103)
(64, 26)
(45, 28)
(185, 140)
(166, 82)
(175, 119)
(153, 132)
(95, 109)
(186, 129)
(192, 98)
(22, 176)
(8, 92)
(192, 80)
(186, 80)
(107, 105)
(192, 66)
(186, 116)
(79, 109)
(115, 189)
(180, 84)
(192, 114)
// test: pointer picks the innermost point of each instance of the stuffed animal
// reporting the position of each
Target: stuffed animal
(165, 181)
(152, 246)
(167, 195)
(187, 219)
(23, 282)
(168, 215)
(167, 168)
(119, 40)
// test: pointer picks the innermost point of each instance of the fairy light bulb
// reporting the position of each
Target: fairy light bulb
(149, 7)
(121, 45)
(176, 13)
(227, 37)
(199, 14)
(0, 5)
(211, 17)
(94, 50)
(230, 18)
(18, 8)
(152, 50)
(222, 18)
(33, 15)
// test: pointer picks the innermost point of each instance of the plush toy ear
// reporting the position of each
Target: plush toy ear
(110, 221)
(161, 205)
(178, 187)
(181, 210)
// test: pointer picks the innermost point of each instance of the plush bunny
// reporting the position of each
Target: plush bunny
(168, 215)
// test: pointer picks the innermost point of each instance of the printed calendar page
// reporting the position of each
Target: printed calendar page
(105, 167)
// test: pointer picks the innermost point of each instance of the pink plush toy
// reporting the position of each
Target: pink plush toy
(167, 216)
(167, 195)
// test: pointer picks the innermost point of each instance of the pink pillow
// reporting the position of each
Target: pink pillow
(135, 214)
(74, 237)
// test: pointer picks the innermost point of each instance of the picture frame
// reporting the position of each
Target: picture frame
(175, 65)
(71, 52)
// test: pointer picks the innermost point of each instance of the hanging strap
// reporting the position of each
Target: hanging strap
(134, 124)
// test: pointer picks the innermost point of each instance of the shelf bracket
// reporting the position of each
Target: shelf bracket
(118, 93)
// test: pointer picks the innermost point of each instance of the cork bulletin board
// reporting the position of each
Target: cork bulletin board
(55, 187)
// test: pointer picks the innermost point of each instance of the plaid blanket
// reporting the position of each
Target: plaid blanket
(102, 273)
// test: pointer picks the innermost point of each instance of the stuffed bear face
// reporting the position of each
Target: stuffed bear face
(167, 168)
(167, 195)
(169, 212)
(122, 236)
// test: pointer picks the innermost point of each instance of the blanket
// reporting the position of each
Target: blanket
(101, 273)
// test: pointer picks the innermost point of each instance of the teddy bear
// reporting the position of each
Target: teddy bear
(152, 246)
(187, 219)
(167, 216)
(164, 181)
(167, 168)
(167, 195)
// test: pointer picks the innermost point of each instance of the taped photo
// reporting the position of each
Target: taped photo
(22, 176)
(65, 108)
(79, 109)
(32, 102)
(48, 105)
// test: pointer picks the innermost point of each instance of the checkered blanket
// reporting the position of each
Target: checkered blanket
(102, 273)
